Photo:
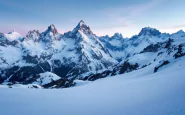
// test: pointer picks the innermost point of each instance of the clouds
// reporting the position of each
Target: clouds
(124, 18)
(179, 26)
(127, 14)
(172, 28)
(104, 17)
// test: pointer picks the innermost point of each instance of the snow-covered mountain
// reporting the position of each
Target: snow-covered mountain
(69, 55)
(54, 60)
(149, 48)
(121, 48)
(115, 45)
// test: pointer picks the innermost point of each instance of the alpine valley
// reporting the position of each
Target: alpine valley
(53, 60)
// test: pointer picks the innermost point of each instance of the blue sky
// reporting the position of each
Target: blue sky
(103, 16)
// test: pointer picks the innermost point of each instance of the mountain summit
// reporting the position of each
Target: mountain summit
(33, 35)
(50, 34)
(149, 31)
(51, 29)
(82, 27)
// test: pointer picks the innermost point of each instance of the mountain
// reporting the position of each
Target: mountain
(67, 56)
(149, 31)
(115, 44)
(149, 49)
(121, 48)
(11, 36)
(52, 60)
(33, 35)
(92, 54)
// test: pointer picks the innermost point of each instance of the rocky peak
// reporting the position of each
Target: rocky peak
(82, 27)
(81, 23)
(51, 29)
(117, 36)
(106, 37)
(149, 31)
(50, 34)
(34, 35)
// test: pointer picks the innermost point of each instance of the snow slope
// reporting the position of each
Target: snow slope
(140, 92)
(13, 36)
(46, 78)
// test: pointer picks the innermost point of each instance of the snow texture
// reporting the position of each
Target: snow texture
(141, 92)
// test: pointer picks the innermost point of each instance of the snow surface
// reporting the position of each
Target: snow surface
(136, 93)
(9, 55)
(20, 86)
(13, 36)
(46, 78)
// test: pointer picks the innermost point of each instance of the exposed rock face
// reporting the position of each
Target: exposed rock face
(149, 31)
(33, 35)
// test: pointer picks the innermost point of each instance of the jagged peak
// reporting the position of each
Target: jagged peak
(118, 35)
(82, 27)
(106, 36)
(52, 29)
(50, 34)
(33, 35)
(149, 31)
(33, 32)
(81, 23)
(180, 31)
(52, 26)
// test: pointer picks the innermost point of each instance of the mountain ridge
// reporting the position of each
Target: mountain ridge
(80, 54)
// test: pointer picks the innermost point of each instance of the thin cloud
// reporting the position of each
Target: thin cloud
(123, 19)
(126, 15)
(179, 26)
(172, 29)
(173, 26)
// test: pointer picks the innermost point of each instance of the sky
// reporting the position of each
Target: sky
(105, 17)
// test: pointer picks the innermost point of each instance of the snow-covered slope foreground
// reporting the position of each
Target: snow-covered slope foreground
(141, 92)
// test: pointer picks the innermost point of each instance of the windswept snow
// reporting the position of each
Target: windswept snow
(141, 92)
